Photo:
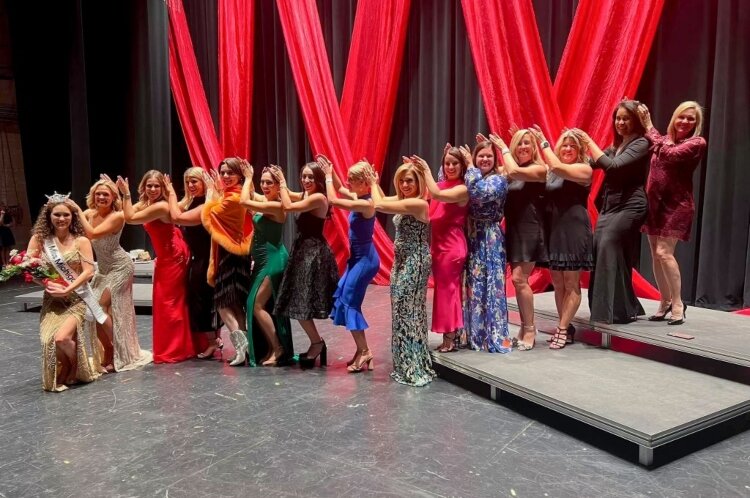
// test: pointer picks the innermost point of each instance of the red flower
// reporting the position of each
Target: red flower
(17, 259)
(35, 264)
(27, 277)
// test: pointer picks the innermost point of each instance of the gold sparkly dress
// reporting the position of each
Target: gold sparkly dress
(115, 272)
(55, 311)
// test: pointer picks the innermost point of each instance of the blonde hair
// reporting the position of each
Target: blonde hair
(116, 199)
(572, 135)
(152, 173)
(688, 104)
(359, 171)
(418, 175)
(193, 172)
(516, 141)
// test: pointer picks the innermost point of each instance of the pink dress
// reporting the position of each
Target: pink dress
(448, 247)
(172, 339)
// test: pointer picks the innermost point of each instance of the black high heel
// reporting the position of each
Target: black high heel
(681, 320)
(660, 316)
(309, 362)
(570, 338)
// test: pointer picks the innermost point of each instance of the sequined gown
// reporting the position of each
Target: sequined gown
(411, 270)
(310, 277)
(486, 309)
(115, 272)
(55, 311)
(171, 329)
(269, 260)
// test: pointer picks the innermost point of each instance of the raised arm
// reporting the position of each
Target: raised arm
(140, 214)
(414, 207)
(488, 189)
(633, 152)
(364, 206)
(576, 172)
(454, 195)
(530, 173)
(191, 217)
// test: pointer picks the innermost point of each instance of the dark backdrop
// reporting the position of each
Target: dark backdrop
(93, 96)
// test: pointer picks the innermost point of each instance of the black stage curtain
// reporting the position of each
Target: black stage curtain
(118, 117)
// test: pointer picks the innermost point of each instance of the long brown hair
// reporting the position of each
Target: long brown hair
(632, 107)
(44, 228)
(159, 176)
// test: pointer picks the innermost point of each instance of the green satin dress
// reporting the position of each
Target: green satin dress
(269, 261)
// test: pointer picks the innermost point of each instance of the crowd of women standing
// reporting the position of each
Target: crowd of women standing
(228, 266)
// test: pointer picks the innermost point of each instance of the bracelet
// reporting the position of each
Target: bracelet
(545, 144)
(505, 151)
(329, 180)
(126, 196)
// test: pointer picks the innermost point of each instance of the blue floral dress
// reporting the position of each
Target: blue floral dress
(485, 309)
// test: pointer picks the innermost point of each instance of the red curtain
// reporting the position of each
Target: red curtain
(375, 57)
(599, 66)
(376, 42)
(188, 93)
(236, 32)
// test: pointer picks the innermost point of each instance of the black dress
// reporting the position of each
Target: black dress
(524, 228)
(200, 294)
(311, 275)
(568, 228)
(622, 211)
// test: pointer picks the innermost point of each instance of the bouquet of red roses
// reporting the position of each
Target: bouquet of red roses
(31, 268)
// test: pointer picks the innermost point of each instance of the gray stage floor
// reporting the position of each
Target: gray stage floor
(201, 428)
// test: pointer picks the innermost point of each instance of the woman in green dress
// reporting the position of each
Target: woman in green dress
(269, 336)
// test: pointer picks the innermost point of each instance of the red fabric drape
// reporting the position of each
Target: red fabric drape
(323, 117)
(236, 32)
(603, 61)
(375, 57)
(187, 90)
(515, 82)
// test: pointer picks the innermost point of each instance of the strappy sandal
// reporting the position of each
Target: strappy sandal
(560, 339)
(522, 346)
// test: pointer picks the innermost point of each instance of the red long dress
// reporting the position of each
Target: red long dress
(448, 247)
(671, 207)
(171, 322)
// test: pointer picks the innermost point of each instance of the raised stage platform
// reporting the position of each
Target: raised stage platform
(651, 404)
(718, 335)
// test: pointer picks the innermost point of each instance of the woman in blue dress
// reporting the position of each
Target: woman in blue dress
(485, 309)
(363, 261)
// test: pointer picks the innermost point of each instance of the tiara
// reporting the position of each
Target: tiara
(57, 198)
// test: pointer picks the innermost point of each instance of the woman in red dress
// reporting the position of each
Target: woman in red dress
(171, 322)
(670, 199)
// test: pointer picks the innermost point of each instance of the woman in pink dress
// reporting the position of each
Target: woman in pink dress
(448, 210)
(171, 322)
(671, 207)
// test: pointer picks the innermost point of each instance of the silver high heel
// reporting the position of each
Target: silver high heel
(239, 341)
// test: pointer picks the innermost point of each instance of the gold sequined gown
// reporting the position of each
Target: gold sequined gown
(55, 311)
(115, 272)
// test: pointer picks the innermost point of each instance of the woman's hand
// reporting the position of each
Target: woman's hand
(278, 175)
(536, 130)
(421, 164)
(216, 180)
(73, 205)
(513, 129)
(325, 164)
(123, 185)
(57, 290)
(467, 154)
(480, 138)
(168, 185)
(447, 148)
(645, 116)
(247, 169)
(498, 142)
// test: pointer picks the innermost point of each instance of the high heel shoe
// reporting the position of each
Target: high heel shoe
(681, 320)
(239, 341)
(309, 362)
(570, 339)
(365, 362)
(560, 339)
(660, 315)
(356, 356)
(276, 361)
(218, 346)
(522, 346)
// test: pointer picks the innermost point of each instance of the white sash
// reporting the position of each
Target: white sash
(84, 291)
